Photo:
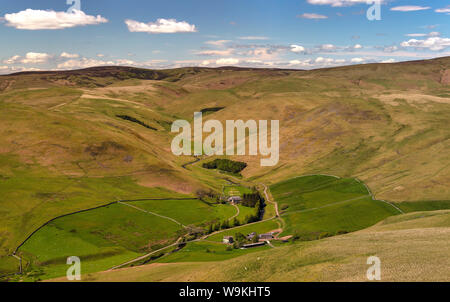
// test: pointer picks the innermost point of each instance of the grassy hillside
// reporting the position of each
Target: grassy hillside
(398, 241)
(64, 146)
(114, 234)
(320, 205)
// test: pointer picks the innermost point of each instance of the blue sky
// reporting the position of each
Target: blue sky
(40, 35)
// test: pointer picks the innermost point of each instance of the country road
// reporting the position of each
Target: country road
(237, 213)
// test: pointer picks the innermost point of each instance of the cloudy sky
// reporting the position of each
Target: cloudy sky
(303, 34)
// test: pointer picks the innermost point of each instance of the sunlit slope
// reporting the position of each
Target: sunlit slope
(64, 148)
(411, 247)
(61, 153)
(318, 206)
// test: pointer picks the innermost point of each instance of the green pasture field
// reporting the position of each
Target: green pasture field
(188, 212)
(205, 251)
(415, 206)
(317, 204)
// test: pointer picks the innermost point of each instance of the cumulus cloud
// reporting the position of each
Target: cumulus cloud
(69, 55)
(433, 43)
(82, 63)
(227, 61)
(312, 16)
(357, 60)
(31, 19)
(87, 62)
(30, 58)
(297, 48)
(409, 8)
(357, 46)
(161, 26)
(13, 60)
(35, 58)
(388, 61)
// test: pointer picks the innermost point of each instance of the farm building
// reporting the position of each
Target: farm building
(268, 236)
(228, 239)
(263, 237)
(235, 199)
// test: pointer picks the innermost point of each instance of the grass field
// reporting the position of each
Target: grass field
(431, 205)
(114, 234)
(320, 205)
(188, 211)
(399, 242)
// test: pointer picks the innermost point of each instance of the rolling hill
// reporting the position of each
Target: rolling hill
(75, 140)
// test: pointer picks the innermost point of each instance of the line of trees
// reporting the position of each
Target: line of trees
(134, 120)
(251, 199)
(226, 165)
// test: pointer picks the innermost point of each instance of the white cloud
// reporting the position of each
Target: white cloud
(357, 46)
(31, 19)
(388, 61)
(69, 55)
(226, 52)
(392, 48)
(306, 62)
(409, 8)
(218, 43)
(433, 43)
(431, 34)
(85, 63)
(443, 10)
(35, 58)
(161, 26)
(319, 60)
(327, 47)
(297, 48)
(227, 61)
(337, 3)
(255, 38)
(312, 16)
(357, 60)
(13, 60)
(100, 55)
(4, 69)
